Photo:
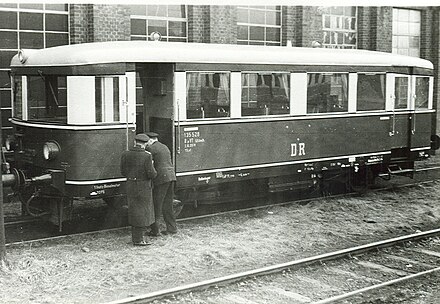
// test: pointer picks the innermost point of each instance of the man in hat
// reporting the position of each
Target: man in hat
(163, 190)
(137, 167)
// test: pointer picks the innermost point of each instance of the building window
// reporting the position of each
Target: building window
(406, 32)
(259, 25)
(26, 25)
(169, 20)
(265, 94)
(208, 95)
(327, 92)
(339, 27)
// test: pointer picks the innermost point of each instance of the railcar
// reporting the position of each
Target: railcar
(239, 120)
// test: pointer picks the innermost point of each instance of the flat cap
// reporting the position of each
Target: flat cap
(142, 137)
(152, 134)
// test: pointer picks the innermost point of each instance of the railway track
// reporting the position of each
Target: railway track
(361, 270)
(20, 223)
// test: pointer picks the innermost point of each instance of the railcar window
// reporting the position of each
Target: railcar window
(422, 92)
(208, 95)
(17, 88)
(47, 98)
(327, 92)
(401, 93)
(371, 92)
(265, 94)
(107, 99)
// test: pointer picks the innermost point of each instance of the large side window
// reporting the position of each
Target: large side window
(422, 93)
(47, 98)
(401, 93)
(208, 95)
(327, 92)
(371, 92)
(265, 94)
(107, 99)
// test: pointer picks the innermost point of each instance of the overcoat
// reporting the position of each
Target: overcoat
(137, 166)
(162, 163)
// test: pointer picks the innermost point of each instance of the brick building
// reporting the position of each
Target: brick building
(411, 31)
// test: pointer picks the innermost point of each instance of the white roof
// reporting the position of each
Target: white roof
(149, 51)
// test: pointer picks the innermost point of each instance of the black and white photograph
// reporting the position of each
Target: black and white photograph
(240, 152)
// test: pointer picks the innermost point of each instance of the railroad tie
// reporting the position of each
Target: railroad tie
(428, 252)
(289, 294)
(382, 268)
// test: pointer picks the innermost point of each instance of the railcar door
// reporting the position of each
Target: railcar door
(399, 92)
(421, 112)
(154, 101)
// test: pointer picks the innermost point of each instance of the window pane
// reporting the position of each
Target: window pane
(53, 39)
(256, 17)
(157, 10)
(8, 40)
(177, 11)
(273, 34)
(273, 18)
(243, 32)
(115, 99)
(31, 6)
(31, 40)
(401, 93)
(8, 5)
(256, 33)
(8, 20)
(5, 81)
(98, 98)
(47, 98)
(56, 23)
(208, 95)
(31, 21)
(138, 27)
(177, 28)
(371, 92)
(422, 92)
(17, 103)
(5, 58)
(57, 7)
(265, 94)
(107, 99)
(157, 26)
(327, 93)
(5, 98)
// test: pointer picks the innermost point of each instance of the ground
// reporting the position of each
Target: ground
(105, 266)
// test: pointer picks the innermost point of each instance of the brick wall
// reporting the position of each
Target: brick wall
(197, 23)
(291, 25)
(311, 26)
(222, 24)
(79, 23)
(383, 29)
(95, 23)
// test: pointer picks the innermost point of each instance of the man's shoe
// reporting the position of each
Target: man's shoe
(143, 243)
(166, 232)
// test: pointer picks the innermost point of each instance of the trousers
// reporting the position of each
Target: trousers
(163, 196)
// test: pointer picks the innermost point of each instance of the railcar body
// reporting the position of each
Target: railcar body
(271, 118)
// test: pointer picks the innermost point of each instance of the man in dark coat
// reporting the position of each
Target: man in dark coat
(163, 190)
(137, 167)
